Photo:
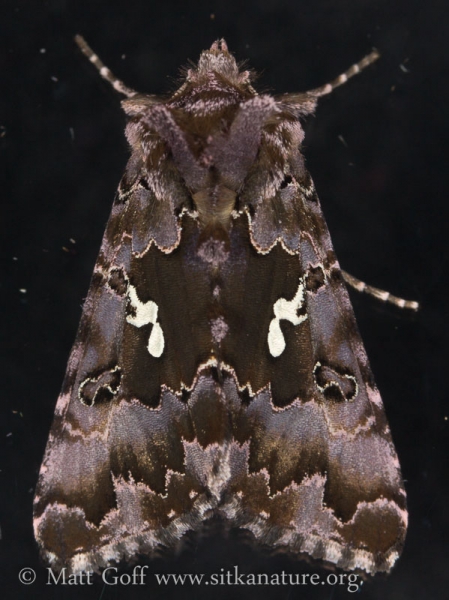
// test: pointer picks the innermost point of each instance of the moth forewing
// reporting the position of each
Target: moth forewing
(218, 368)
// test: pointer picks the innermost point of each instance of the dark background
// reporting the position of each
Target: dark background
(384, 193)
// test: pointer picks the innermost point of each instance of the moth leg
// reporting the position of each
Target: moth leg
(327, 88)
(106, 73)
(382, 295)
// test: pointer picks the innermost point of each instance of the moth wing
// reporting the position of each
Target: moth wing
(333, 488)
(90, 483)
(210, 377)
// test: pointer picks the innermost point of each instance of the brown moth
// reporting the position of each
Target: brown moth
(218, 369)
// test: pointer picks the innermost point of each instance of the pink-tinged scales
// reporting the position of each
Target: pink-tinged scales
(218, 368)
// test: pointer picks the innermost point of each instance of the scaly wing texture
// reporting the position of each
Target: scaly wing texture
(218, 368)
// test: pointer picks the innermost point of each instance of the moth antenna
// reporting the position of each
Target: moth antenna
(358, 67)
(104, 71)
(379, 294)
(305, 102)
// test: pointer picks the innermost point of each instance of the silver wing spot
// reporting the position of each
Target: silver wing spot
(145, 313)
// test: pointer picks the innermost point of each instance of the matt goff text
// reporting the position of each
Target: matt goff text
(109, 577)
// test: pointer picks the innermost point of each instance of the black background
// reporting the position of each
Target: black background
(384, 193)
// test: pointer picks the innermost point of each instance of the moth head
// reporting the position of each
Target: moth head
(219, 63)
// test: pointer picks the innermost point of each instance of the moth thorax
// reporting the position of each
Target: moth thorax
(215, 205)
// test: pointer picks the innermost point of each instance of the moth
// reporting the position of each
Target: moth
(218, 369)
